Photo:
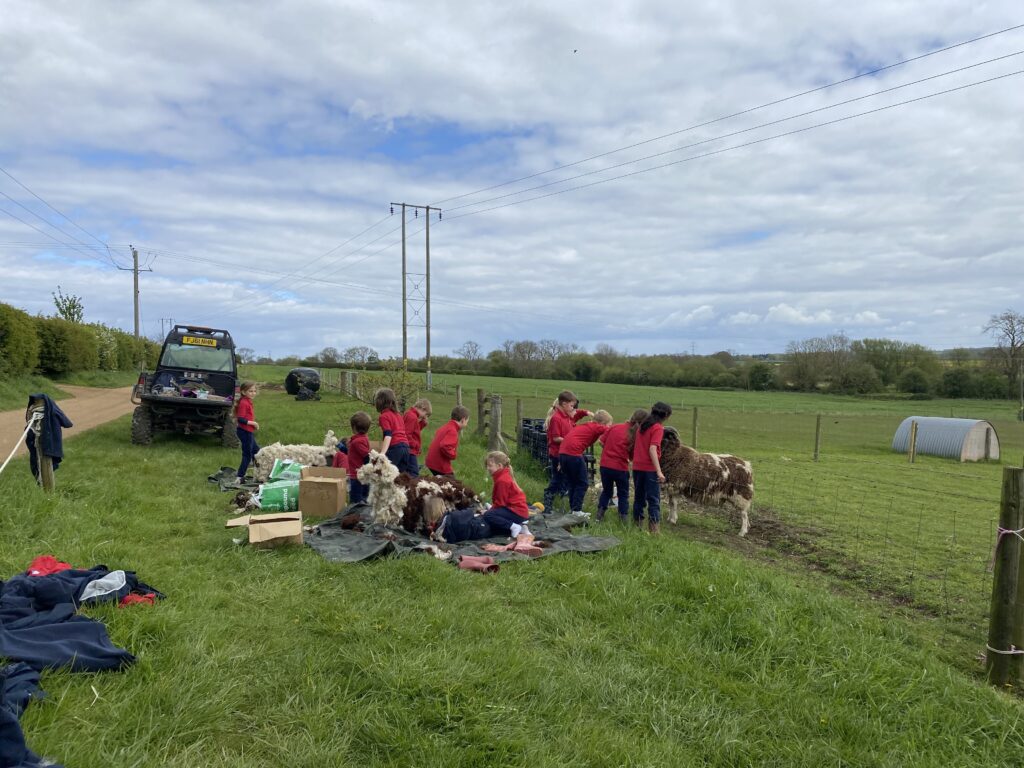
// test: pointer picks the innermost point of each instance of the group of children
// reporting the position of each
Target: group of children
(636, 442)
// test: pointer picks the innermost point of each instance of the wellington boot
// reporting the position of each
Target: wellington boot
(654, 528)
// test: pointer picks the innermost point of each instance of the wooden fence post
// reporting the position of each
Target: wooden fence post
(988, 443)
(913, 441)
(695, 417)
(355, 386)
(481, 412)
(817, 437)
(458, 394)
(519, 421)
(1002, 666)
(495, 442)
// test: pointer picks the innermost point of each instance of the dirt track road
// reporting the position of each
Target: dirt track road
(89, 408)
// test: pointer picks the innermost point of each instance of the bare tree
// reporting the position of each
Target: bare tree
(246, 354)
(359, 355)
(328, 355)
(470, 351)
(1007, 329)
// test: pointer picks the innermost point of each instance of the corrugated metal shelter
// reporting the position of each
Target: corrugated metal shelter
(963, 439)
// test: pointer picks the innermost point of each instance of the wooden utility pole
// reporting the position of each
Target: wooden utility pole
(405, 303)
(135, 271)
(430, 375)
(405, 291)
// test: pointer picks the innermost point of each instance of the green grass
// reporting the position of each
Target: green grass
(100, 378)
(660, 652)
(14, 391)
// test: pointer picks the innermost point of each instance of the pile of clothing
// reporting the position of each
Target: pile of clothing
(40, 628)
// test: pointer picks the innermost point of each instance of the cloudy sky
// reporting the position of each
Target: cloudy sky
(251, 151)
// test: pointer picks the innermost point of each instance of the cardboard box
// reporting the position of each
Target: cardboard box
(335, 473)
(321, 497)
(269, 531)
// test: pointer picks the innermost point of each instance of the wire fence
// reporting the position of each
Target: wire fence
(917, 536)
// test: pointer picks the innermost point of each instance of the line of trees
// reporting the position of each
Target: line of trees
(833, 364)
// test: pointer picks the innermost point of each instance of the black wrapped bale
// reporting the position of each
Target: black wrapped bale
(301, 377)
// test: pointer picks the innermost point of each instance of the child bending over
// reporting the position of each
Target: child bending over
(444, 448)
(570, 456)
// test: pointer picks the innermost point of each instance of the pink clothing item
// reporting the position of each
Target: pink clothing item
(480, 563)
(523, 545)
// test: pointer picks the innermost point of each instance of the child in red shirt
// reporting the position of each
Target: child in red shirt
(616, 452)
(396, 443)
(508, 514)
(560, 420)
(415, 420)
(356, 450)
(570, 456)
(444, 448)
(247, 426)
(647, 474)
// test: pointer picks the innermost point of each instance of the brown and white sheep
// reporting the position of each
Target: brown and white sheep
(400, 499)
(705, 478)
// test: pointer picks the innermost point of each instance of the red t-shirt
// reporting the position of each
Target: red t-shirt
(413, 428)
(444, 448)
(508, 494)
(560, 426)
(392, 424)
(244, 411)
(582, 437)
(615, 450)
(641, 449)
(340, 461)
(358, 450)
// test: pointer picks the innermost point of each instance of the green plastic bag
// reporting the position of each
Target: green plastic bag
(286, 469)
(280, 496)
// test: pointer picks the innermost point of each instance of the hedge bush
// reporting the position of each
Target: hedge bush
(65, 347)
(19, 343)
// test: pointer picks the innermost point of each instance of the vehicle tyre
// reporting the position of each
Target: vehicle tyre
(228, 436)
(142, 425)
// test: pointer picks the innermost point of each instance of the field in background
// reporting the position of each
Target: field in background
(919, 536)
(659, 652)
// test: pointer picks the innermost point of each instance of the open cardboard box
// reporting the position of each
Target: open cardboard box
(273, 530)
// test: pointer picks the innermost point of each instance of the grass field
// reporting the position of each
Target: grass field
(660, 652)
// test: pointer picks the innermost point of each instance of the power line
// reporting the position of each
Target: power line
(734, 114)
(42, 232)
(741, 146)
(73, 223)
(736, 133)
(44, 220)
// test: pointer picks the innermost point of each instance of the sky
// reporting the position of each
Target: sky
(607, 173)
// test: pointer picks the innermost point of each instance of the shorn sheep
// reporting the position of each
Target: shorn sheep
(308, 455)
(400, 499)
(705, 478)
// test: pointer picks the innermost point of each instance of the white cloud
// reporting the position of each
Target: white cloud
(255, 139)
(786, 315)
(743, 318)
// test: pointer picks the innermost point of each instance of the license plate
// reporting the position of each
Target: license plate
(199, 341)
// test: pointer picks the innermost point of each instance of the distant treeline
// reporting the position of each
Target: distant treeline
(832, 364)
(53, 346)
